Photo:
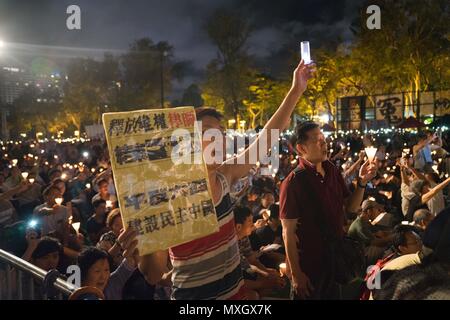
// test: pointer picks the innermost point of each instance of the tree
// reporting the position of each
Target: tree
(37, 110)
(406, 54)
(192, 96)
(230, 74)
(265, 96)
(90, 87)
(142, 67)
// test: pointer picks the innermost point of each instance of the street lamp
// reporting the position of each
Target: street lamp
(164, 53)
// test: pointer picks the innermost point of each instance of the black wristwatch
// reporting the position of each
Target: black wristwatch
(360, 185)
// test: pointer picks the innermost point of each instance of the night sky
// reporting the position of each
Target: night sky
(38, 28)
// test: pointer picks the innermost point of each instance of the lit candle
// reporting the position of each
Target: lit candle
(59, 201)
(88, 185)
(31, 180)
(25, 175)
(76, 226)
(108, 203)
(14, 162)
(64, 176)
(282, 267)
(385, 176)
(370, 152)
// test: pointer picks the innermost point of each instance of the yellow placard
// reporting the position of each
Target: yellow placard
(160, 176)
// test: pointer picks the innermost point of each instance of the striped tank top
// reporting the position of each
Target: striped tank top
(209, 267)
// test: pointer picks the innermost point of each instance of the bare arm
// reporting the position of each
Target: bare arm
(366, 173)
(354, 167)
(421, 145)
(154, 265)
(279, 120)
(405, 178)
(418, 174)
(430, 194)
(290, 243)
(10, 193)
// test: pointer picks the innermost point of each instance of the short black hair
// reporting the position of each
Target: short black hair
(47, 190)
(46, 246)
(57, 180)
(53, 171)
(88, 257)
(99, 182)
(241, 214)
(302, 129)
(208, 111)
(97, 202)
(266, 193)
(255, 190)
(399, 234)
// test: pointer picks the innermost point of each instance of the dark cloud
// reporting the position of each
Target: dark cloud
(38, 27)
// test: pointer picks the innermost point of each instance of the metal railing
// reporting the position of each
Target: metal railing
(18, 280)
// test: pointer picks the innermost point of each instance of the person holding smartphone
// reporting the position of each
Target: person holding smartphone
(427, 143)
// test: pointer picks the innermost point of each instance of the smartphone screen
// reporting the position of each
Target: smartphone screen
(305, 52)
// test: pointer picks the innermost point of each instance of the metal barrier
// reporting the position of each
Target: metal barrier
(19, 277)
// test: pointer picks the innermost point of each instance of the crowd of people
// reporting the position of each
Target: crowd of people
(280, 235)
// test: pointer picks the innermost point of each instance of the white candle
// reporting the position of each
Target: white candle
(282, 267)
(25, 175)
(31, 180)
(76, 226)
(108, 203)
(59, 201)
(370, 152)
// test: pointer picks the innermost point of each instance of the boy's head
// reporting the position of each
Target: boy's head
(243, 220)
(51, 193)
(267, 199)
(99, 206)
(212, 129)
(103, 186)
(47, 253)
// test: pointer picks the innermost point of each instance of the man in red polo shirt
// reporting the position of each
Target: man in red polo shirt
(315, 192)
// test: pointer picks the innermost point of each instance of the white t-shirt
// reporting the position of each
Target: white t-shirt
(402, 262)
(405, 202)
(53, 220)
(437, 203)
